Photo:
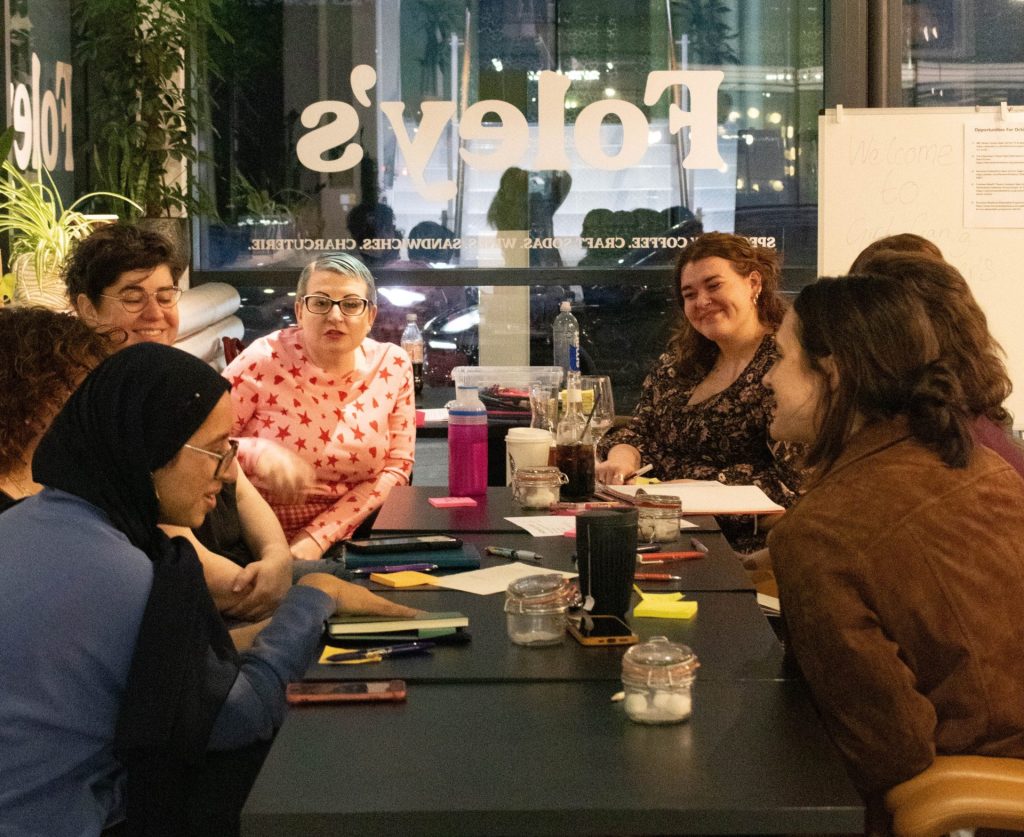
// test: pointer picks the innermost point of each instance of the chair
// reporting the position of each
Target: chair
(232, 348)
(959, 792)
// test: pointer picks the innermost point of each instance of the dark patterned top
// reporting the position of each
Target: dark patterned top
(724, 437)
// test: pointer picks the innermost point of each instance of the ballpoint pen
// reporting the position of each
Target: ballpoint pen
(394, 568)
(639, 472)
(404, 649)
(657, 577)
(513, 554)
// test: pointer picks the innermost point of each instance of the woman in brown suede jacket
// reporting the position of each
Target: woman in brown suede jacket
(901, 570)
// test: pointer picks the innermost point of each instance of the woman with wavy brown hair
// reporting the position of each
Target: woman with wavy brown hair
(967, 344)
(704, 413)
(901, 568)
(45, 356)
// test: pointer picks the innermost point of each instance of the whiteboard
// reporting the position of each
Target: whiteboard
(884, 171)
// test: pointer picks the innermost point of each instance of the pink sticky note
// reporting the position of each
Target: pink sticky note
(421, 418)
(451, 502)
(570, 534)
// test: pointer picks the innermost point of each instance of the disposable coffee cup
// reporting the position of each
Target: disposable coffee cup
(525, 447)
(606, 559)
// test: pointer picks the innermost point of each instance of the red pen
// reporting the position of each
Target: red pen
(657, 577)
(663, 557)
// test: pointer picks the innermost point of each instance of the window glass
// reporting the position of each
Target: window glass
(962, 52)
(358, 126)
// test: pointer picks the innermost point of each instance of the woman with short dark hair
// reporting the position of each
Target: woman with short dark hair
(901, 569)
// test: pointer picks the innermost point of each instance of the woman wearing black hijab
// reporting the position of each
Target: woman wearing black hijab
(118, 673)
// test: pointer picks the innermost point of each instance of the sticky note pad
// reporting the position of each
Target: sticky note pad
(665, 606)
(405, 578)
(451, 502)
(331, 650)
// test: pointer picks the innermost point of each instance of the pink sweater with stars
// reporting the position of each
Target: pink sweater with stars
(357, 430)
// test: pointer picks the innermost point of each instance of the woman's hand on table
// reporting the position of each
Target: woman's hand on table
(282, 473)
(622, 461)
(352, 598)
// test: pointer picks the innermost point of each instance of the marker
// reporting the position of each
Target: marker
(395, 568)
(513, 554)
(662, 557)
(657, 577)
(405, 649)
(698, 545)
(639, 472)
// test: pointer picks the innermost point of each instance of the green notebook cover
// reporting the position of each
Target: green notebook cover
(356, 626)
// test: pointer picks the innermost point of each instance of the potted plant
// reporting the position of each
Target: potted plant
(41, 230)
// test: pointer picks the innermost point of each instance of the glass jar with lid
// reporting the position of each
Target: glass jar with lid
(537, 488)
(657, 677)
(535, 609)
(658, 518)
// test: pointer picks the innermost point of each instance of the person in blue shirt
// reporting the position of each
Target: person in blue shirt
(123, 693)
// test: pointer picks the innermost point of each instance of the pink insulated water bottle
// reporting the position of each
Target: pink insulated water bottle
(467, 444)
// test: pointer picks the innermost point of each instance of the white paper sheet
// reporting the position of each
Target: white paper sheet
(492, 580)
(546, 526)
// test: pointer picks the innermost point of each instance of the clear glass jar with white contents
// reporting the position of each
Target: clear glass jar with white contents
(538, 488)
(658, 676)
(657, 518)
(535, 609)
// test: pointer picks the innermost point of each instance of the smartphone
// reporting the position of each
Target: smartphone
(337, 691)
(602, 630)
(405, 543)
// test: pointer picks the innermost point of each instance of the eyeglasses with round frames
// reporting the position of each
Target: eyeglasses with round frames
(134, 300)
(224, 460)
(350, 306)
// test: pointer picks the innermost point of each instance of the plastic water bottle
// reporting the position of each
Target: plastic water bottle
(412, 342)
(565, 333)
(467, 443)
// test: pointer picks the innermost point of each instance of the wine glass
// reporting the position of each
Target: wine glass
(598, 404)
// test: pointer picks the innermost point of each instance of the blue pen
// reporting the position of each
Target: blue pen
(394, 568)
(402, 650)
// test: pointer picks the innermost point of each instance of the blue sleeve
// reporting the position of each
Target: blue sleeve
(281, 653)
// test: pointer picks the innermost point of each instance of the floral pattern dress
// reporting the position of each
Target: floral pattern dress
(724, 437)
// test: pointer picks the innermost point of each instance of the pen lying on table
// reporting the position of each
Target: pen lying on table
(657, 577)
(664, 557)
(513, 554)
(395, 568)
(404, 649)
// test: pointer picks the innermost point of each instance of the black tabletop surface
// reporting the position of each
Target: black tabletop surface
(407, 510)
(729, 635)
(554, 759)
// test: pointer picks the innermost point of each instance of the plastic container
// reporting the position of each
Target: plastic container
(538, 488)
(658, 680)
(658, 518)
(565, 333)
(467, 444)
(412, 342)
(535, 609)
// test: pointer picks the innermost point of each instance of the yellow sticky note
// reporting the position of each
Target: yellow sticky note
(405, 578)
(665, 606)
(331, 650)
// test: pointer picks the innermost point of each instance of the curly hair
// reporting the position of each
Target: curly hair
(45, 356)
(687, 345)
(888, 360)
(968, 346)
(113, 249)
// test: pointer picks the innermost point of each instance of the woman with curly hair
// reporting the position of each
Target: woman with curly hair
(901, 569)
(45, 356)
(704, 413)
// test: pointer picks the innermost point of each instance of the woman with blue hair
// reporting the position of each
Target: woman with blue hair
(325, 416)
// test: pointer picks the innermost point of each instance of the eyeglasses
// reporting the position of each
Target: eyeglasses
(351, 306)
(224, 460)
(134, 300)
